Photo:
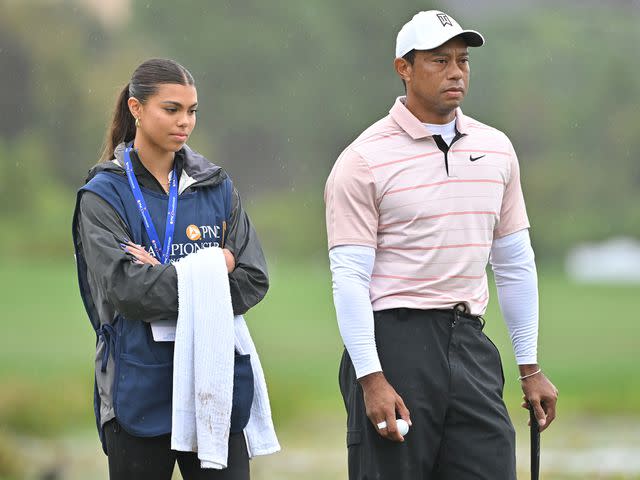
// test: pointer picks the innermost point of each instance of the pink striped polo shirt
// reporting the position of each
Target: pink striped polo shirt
(432, 230)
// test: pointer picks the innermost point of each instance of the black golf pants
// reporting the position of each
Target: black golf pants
(449, 375)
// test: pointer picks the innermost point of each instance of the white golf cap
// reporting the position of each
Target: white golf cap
(430, 29)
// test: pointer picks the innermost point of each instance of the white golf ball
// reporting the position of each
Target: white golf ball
(403, 426)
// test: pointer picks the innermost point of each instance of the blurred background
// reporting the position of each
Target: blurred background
(283, 87)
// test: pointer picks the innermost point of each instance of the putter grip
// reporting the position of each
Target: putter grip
(535, 445)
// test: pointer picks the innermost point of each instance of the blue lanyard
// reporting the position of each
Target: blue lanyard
(163, 252)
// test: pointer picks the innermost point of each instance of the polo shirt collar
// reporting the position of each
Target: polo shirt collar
(414, 127)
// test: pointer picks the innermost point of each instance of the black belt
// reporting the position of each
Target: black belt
(461, 311)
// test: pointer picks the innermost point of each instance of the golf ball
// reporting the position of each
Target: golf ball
(403, 426)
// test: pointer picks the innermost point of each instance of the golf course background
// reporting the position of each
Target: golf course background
(283, 87)
(587, 346)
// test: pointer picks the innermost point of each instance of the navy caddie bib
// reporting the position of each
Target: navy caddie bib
(143, 377)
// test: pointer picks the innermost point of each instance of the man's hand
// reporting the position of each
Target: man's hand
(382, 402)
(540, 393)
(229, 259)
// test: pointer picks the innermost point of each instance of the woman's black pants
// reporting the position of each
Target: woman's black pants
(138, 458)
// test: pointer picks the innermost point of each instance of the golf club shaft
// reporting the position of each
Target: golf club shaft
(535, 445)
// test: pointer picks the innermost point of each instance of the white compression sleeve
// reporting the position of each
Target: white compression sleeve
(351, 267)
(514, 268)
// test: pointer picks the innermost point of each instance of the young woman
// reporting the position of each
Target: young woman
(151, 201)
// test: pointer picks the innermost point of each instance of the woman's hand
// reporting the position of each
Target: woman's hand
(142, 257)
(229, 259)
(140, 254)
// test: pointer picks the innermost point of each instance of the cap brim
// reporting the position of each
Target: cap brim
(473, 38)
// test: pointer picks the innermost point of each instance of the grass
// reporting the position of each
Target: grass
(588, 346)
(588, 342)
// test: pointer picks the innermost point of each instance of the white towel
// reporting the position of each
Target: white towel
(206, 336)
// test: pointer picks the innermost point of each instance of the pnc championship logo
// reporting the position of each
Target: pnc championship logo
(193, 233)
(203, 236)
(200, 236)
(444, 20)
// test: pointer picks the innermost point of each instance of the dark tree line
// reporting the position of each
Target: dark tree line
(284, 86)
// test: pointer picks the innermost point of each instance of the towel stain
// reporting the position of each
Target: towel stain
(204, 400)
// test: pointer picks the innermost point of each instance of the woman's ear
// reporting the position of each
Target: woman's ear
(135, 107)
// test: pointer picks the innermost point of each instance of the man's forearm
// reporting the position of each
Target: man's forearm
(351, 268)
(513, 264)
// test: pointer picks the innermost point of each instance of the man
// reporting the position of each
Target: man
(415, 207)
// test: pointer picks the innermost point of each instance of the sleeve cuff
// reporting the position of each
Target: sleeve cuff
(368, 369)
(527, 359)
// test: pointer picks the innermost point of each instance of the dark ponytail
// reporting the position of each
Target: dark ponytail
(144, 83)
(123, 127)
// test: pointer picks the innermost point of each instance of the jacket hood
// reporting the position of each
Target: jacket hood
(196, 167)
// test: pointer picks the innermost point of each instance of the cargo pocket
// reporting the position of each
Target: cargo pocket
(350, 390)
(354, 420)
(356, 417)
(355, 453)
(143, 397)
(497, 352)
(242, 393)
(354, 437)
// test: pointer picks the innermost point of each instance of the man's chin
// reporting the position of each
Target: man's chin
(452, 105)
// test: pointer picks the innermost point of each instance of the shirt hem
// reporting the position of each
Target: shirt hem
(352, 241)
(476, 309)
(515, 229)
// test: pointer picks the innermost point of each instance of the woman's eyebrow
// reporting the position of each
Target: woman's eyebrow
(177, 104)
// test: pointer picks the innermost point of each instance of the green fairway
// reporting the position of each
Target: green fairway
(589, 343)
(588, 339)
